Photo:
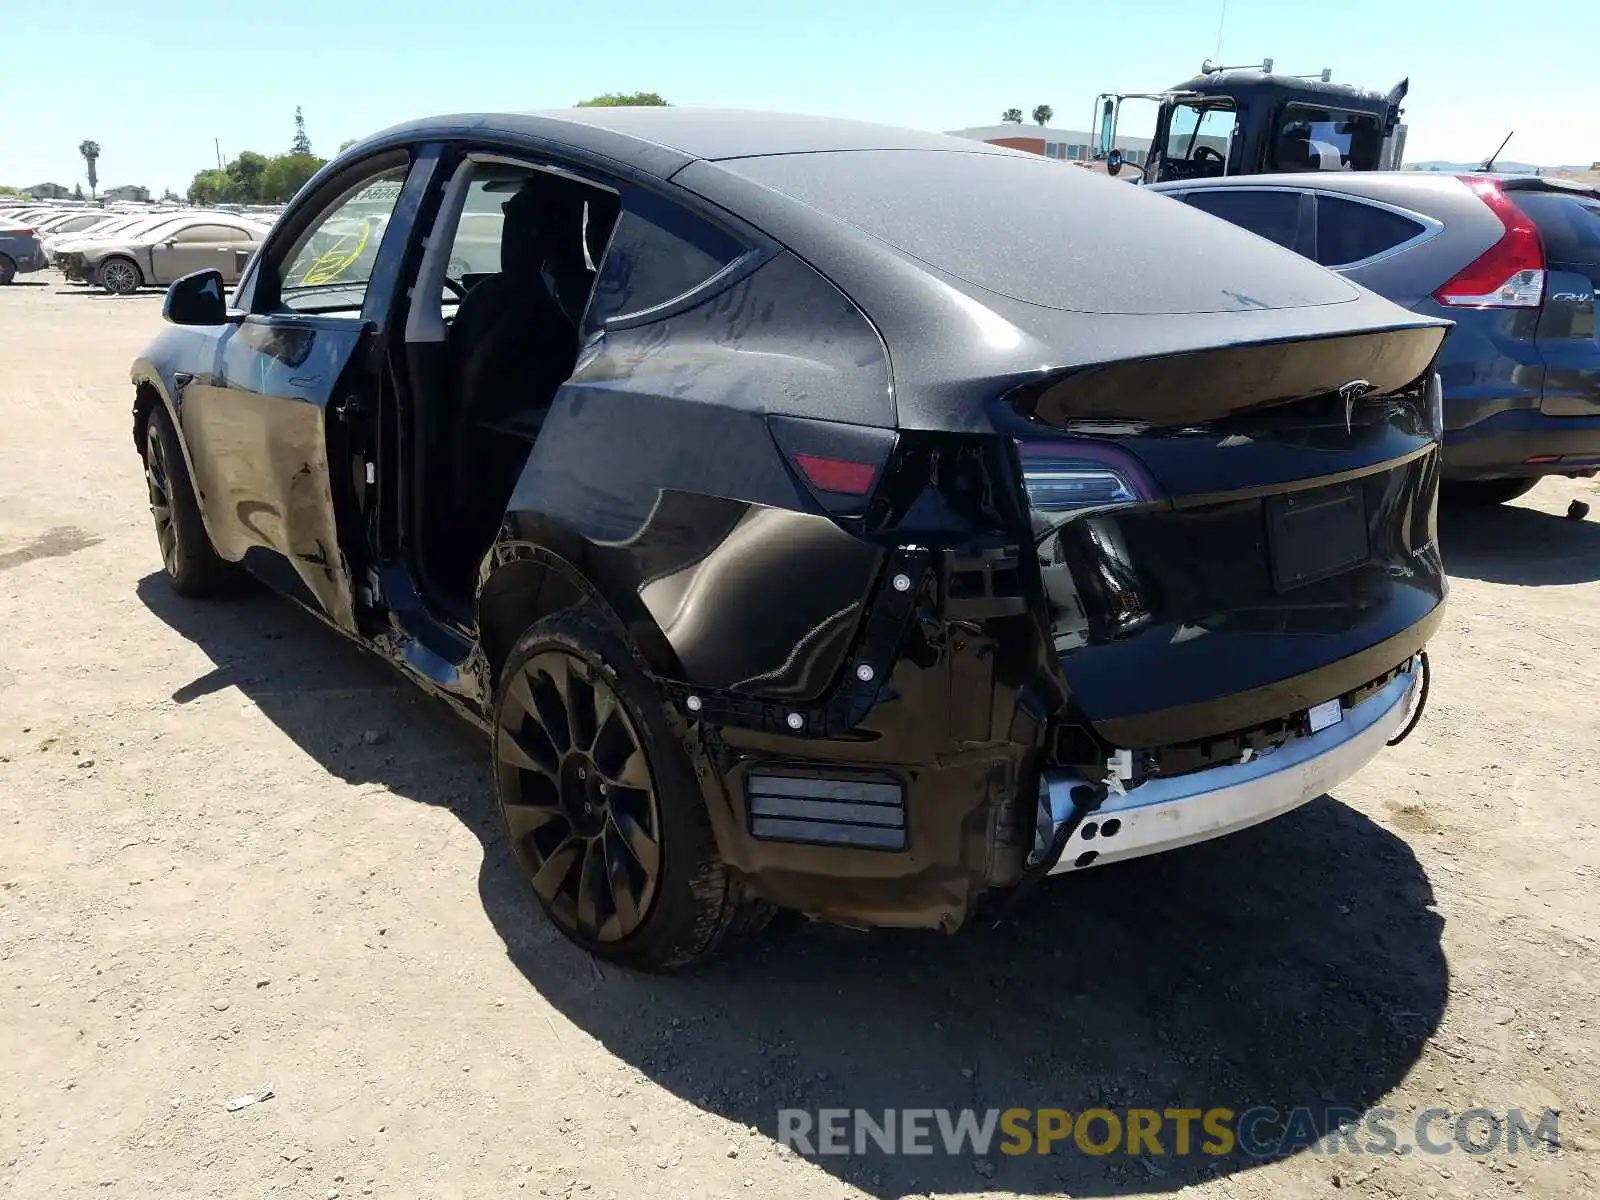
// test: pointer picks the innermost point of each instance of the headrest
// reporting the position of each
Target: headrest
(544, 224)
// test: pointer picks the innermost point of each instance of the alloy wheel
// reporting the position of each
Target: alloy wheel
(119, 277)
(578, 796)
(156, 479)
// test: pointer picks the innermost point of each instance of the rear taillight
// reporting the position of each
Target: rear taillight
(839, 464)
(837, 475)
(1510, 274)
(1064, 477)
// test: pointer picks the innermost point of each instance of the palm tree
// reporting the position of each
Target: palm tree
(1012, 116)
(91, 154)
(1042, 114)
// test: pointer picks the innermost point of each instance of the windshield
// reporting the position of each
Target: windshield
(1200, 134)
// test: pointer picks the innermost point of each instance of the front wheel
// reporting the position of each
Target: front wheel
(8, 270)
(1483, 492)
(120, 276)
(600, 801)
(192, 564)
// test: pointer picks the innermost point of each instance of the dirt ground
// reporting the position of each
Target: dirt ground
(235, 852)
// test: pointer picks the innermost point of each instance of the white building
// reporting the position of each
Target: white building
(1066, 144)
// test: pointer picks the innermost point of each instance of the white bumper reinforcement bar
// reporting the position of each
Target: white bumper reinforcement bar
(1164, 814)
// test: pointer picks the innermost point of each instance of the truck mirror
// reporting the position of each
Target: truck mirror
(1114, 162)
(1108, 126)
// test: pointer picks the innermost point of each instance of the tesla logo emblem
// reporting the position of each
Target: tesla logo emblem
(1350, 393)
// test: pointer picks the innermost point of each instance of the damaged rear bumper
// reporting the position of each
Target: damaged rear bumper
(1164, 814)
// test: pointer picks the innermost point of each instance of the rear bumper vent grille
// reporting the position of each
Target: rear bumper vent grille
(868, 813)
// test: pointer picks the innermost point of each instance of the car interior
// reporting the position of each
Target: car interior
(492, 334)
(1199, 134)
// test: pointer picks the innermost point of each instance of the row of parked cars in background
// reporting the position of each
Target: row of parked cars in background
(122, 251)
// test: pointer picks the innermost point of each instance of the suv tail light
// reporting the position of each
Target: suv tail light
(1074, 476)
(1510, 273)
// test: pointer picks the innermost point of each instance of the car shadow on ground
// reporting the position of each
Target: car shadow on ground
(1508, 543)
(1296, 964)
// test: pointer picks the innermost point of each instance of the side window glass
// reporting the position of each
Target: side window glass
(330, 265)
(1273, 215)
(1318, 139)
(1349, 231)
(1201, 134)
(475, 251)
(210, 235)
(658, 252)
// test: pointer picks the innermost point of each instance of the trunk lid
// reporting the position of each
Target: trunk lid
(1569, 225)
(1262, 536)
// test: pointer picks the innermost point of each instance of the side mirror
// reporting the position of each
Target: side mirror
(197, 299)
(1114, 162)
(1108, 125)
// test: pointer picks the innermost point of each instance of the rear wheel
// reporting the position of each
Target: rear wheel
(192, 565)
(8, 270)
(600, 801)
(1484, 491)
(120, 276)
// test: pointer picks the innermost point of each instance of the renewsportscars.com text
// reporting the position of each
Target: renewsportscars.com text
(1259, 1132)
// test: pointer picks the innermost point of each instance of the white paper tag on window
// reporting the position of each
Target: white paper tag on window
(1325, 715)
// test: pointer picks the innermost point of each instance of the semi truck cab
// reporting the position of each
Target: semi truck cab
(1249, 120)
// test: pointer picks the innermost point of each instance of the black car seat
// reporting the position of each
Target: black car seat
(512, 344)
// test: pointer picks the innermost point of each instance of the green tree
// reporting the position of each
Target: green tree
(210, 187)
(1012, 116)
(1042, 114)
(286, 174)
(625, 100)
(170, 197)
(301, 143)
(246, 172)
(91, 156)
(347, 143)
(77, 191)
(8, 190)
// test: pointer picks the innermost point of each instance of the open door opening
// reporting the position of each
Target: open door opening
(491, 335)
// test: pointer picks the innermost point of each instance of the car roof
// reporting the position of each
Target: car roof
(1396, 187)
(686, 134)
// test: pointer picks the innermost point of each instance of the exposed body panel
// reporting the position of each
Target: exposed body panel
(697, 513)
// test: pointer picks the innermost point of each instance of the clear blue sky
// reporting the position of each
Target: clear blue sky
(154, 82)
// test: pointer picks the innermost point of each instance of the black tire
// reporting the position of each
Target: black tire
(583, 841)
(120, 276)
(191, 563)
(8, 270)
(1483, 492)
